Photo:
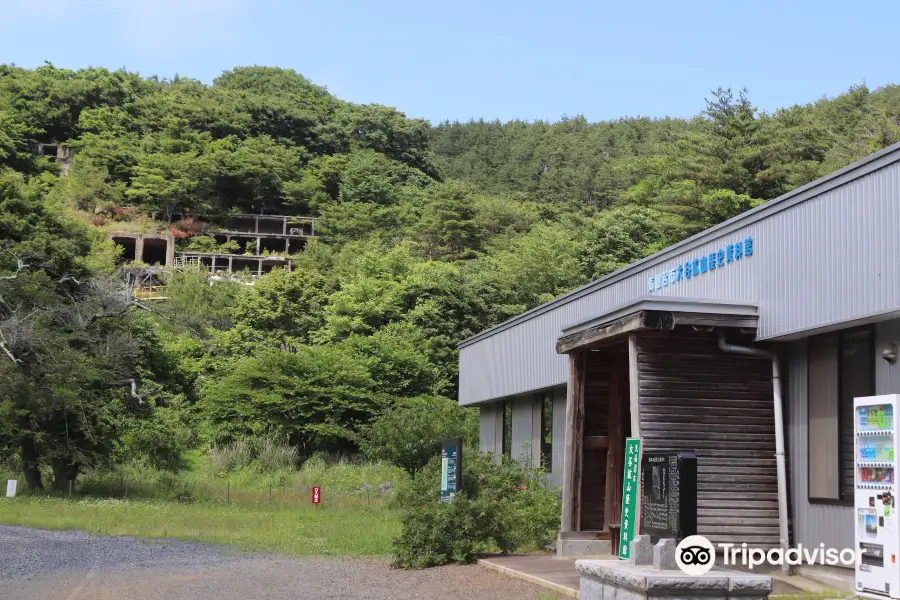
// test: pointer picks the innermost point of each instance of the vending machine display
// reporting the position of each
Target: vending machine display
(877, 526)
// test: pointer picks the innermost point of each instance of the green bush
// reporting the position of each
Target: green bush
(409, 433)
(504, 506)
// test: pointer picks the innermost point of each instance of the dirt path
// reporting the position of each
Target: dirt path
(70, 565)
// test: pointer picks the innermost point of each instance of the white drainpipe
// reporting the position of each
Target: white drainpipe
(779, 436)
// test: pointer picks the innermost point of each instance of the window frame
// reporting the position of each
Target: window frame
(844, 498)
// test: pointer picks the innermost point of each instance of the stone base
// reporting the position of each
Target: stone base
(619, 580)
(577, 543)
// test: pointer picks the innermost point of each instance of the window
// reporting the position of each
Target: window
(507, 427)
(841, 368)
(547, 433)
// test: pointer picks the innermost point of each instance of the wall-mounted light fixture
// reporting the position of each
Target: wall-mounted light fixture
(890, 353)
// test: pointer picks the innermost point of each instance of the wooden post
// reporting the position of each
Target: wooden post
(571, 503)
(615, 452)
(634, 396)
(270, 493)
(227, 492)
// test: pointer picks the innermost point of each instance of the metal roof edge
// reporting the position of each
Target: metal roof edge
(864, 166)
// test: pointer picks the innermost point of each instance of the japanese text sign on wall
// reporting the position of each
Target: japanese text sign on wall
(631, 492)
(699, 265)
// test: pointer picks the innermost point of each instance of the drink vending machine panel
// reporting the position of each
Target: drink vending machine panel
(877, 525)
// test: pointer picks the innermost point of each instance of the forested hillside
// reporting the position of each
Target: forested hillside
(429, 234)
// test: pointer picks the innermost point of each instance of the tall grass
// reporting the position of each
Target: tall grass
(344, 480)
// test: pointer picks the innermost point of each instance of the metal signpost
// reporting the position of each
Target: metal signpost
(451, 468)
(631, 485)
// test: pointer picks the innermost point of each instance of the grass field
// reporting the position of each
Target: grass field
(348, 530)
(234, 508)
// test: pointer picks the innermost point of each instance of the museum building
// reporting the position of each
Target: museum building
(745, 344)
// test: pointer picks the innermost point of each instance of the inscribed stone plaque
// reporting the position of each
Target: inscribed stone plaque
(669, 494)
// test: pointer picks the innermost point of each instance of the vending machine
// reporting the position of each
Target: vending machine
(877, 525)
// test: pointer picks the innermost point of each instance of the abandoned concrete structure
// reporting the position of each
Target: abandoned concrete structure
(154, 249)
(273, 233)
(228, 264)
(745, 344)
(61, 153)
(281, 234)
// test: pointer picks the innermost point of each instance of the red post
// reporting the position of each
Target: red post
(316, 494)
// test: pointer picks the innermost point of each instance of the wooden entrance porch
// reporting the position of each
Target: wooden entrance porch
(655, 371)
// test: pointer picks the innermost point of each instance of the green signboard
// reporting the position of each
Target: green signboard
(631, 492)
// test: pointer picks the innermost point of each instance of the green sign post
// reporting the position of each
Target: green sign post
(631, 492)
(451, 468)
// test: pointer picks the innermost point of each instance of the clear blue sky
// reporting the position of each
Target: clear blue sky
(489, 58)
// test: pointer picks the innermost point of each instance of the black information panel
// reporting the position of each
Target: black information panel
(669, 494)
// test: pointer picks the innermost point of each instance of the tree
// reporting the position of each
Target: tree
(448, 228)
(409, 433)
(317, 397)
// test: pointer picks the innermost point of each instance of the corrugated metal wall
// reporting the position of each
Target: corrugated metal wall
(817, 261)
(490, 437)
(815, 523)
(525, 411)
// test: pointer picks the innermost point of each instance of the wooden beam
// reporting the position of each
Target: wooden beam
(598, 333)
(571, 501)
(715, 320)
(633, 389)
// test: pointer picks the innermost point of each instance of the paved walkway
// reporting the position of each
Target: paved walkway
(559, 575)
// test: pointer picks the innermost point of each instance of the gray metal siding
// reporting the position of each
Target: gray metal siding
(559, 436)
(813, 523)
(818, 262)
(523, 429)
(491, 428)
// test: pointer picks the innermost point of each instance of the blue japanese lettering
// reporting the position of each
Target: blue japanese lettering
(712, 261)
(729, 253)
(748, 247)
(721, 257)
(665, 279)
(649, 284)
(680, 272)
(696, 266)
(703, 265)
(688, 272)
(739, 251)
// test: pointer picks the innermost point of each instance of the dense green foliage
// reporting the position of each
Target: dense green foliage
(505, 506)
(428, 235)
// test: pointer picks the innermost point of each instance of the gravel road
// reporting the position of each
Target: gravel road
(71, 565)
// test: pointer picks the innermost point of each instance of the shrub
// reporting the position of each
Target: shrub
(409, 433)
(503, 506)
(438, 533)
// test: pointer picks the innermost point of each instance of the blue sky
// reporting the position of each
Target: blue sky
(491, 59)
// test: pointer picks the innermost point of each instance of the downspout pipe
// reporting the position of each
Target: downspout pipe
(779, 436)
